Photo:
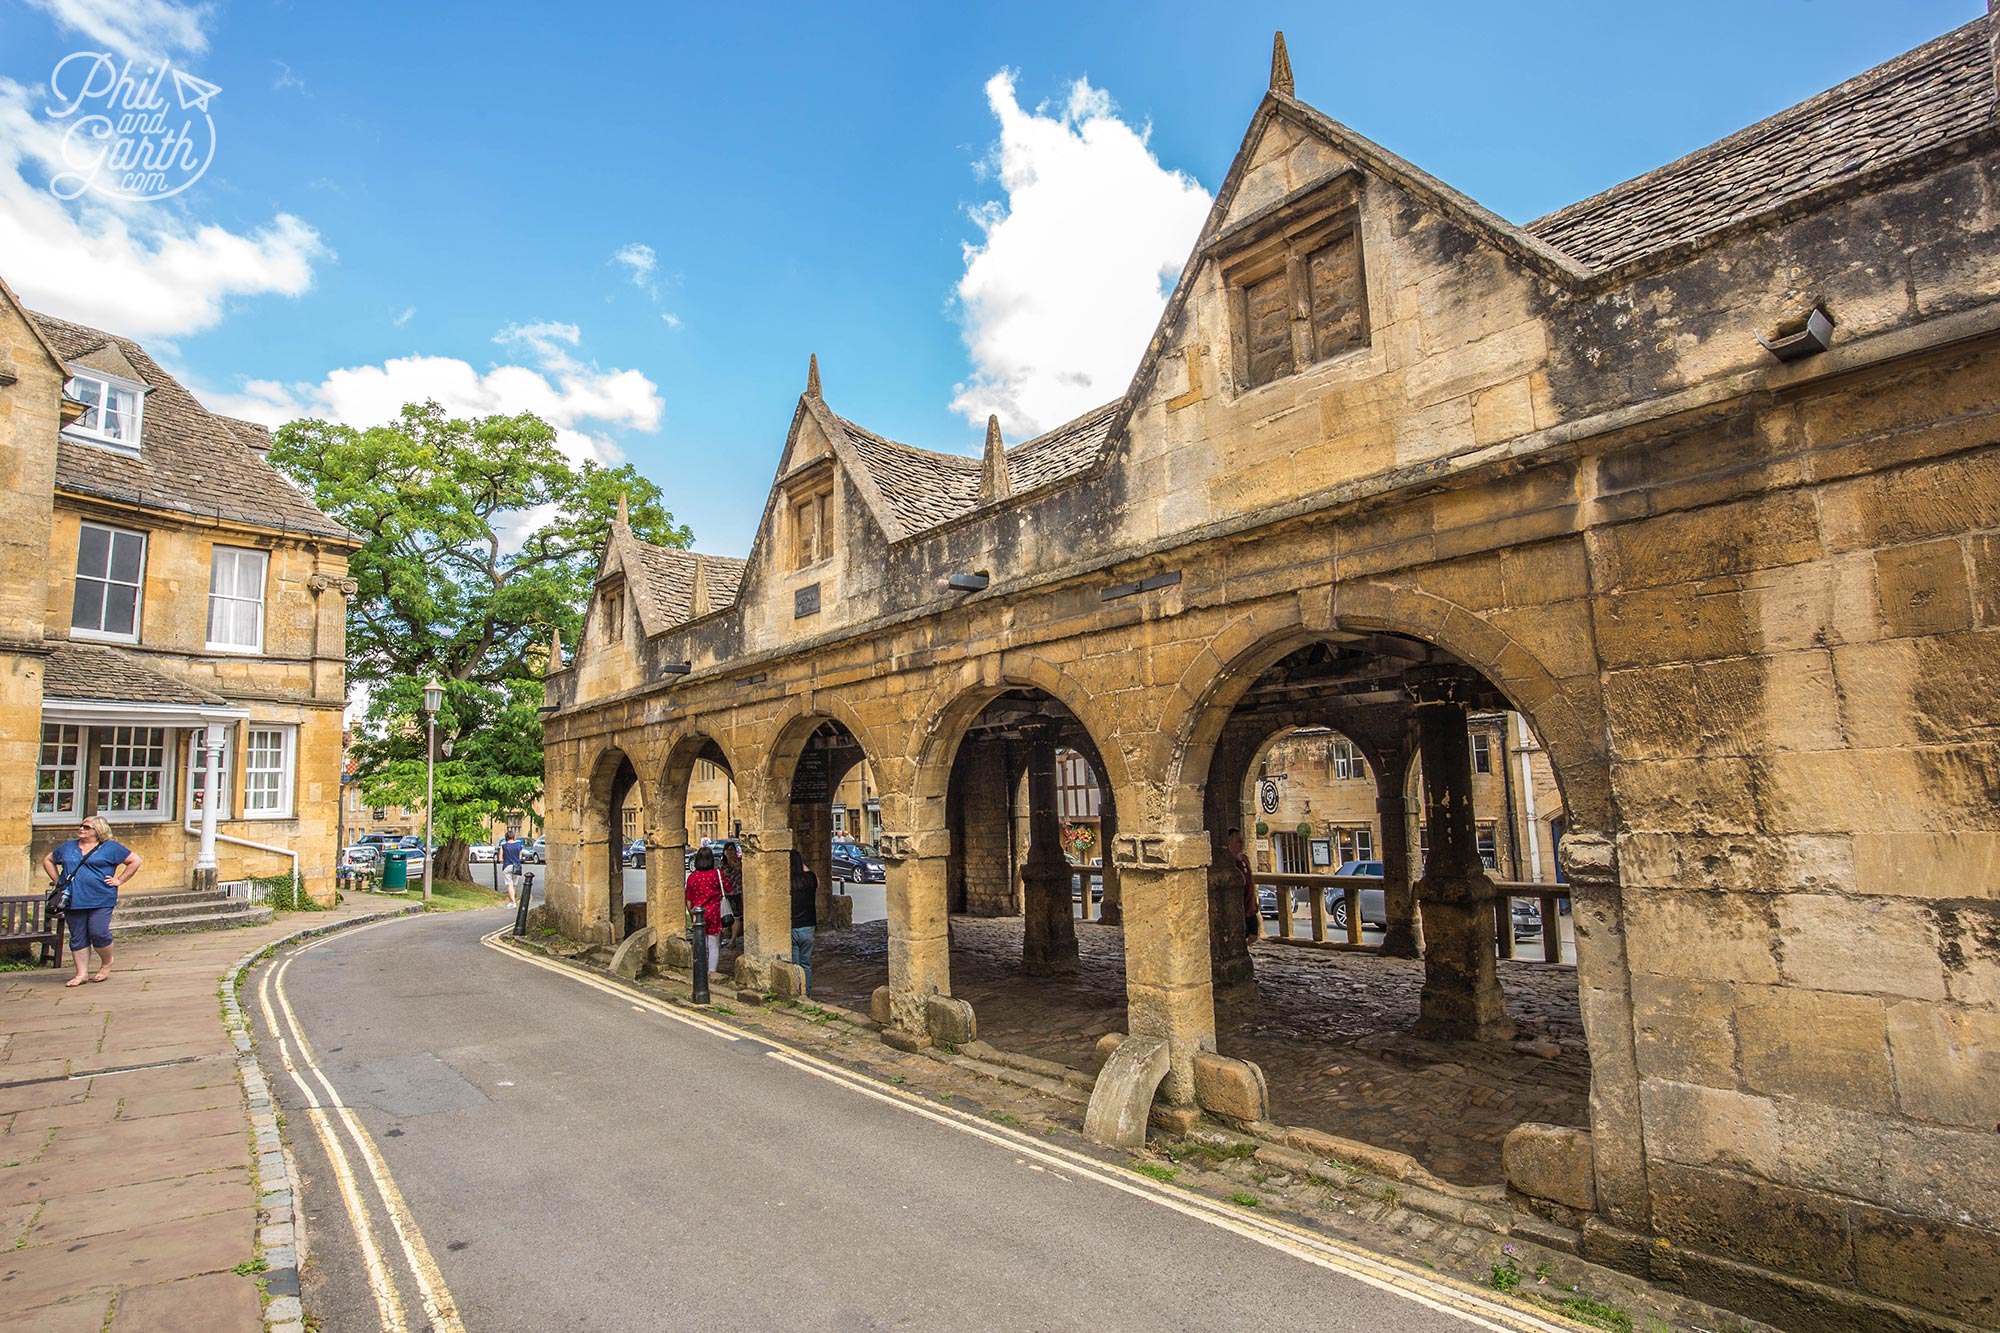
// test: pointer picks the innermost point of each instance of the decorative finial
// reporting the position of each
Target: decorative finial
(555, 648)
(993, 480)
(1281, 66)
(624, 518)
(812, 377)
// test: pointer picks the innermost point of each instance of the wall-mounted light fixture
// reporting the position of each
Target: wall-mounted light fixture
(1815, 337)
(676, 668)
(968, 582)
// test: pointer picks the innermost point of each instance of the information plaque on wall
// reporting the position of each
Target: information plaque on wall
(805, 602)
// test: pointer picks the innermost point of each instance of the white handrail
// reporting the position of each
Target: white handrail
(188, 828)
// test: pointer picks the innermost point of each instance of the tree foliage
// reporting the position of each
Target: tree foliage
(480, 537)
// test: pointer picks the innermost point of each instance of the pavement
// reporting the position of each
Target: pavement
(505, 1144)
(127, 1194)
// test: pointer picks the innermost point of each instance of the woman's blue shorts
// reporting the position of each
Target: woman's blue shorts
(90, 928)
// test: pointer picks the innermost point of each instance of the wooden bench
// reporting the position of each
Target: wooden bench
(24, 920)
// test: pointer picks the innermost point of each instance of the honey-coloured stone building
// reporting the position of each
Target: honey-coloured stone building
(1701, 476)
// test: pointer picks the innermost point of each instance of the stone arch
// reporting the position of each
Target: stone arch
(769, 791)
(682, 749)
(953, 706)
(598, 872)
(1209, 690)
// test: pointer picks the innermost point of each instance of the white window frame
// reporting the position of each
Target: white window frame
(287, 770)
(1486, 841)
(215, 560)
(138, 589)
(198, 769)
(106, 386)
(1482, 752)
(1348, 763)
(109, 738)
(76, 738)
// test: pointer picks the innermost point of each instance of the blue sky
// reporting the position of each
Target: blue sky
(431, 198)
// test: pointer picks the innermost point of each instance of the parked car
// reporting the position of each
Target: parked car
(536, 852)
(483, 853)
(635, 854)
(852, 865)
(1374, 902)
(378, 839)
(412, 847)
(362, 856)
(1527, 914)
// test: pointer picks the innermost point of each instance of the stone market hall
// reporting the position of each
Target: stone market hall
(1697, 476)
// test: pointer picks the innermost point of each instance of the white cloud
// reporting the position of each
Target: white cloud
(579, 400)
(143, 269)
(1074, 266)
(673, 321)
(640, 261)
(409, 313)
(286, 79)
(145, 28)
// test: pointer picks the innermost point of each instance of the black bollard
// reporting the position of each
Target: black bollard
(527, 896)
(698, 947)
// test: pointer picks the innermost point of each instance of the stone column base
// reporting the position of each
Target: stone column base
(203, 881)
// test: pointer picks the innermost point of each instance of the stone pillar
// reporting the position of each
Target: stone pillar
(1168, 990)
(666, 877)
(1222, 810)
(812, 833)
(1461, 997)
(984, 833)
(1111, 910)
(205, 873)
(1618, 1155)
(919, 940)
(1392, 813)
(767, 904)
(1048, 940)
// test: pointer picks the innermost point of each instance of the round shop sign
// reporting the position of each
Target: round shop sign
(1267, 796)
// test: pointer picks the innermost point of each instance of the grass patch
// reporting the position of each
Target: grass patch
(723, 1009)
(1245, 1199)
(897, 1078)
(1202, 1153)
(1154, 1170)
(1506, 1276)
(1595, 1313)
(18, 963)
(450, 895)
(1006, 1118)
(249, 1266)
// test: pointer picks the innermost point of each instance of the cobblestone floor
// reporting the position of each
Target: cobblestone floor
(1331, 1031)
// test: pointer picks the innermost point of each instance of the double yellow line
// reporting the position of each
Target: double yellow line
(1383, 1272)
(325, 1115)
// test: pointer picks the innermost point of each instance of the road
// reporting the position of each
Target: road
(527, 1151)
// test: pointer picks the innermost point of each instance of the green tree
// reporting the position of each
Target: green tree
(480, 536)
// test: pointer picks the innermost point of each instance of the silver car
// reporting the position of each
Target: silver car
(1374, 902)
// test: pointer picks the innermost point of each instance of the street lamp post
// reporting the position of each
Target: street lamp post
(433, 700)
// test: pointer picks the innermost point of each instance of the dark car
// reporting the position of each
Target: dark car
(1527, 915)
(852, 865)
(635, 854)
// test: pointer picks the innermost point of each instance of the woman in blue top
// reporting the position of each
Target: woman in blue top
(96, 868)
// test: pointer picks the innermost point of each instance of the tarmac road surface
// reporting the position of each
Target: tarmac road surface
(498, 1145)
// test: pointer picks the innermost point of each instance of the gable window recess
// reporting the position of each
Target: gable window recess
(112, 409)
(1296, 287)
(110, 575)
(236, 599)
(611, 602)
(809, 512)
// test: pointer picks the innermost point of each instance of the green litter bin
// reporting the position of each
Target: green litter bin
(395, 870)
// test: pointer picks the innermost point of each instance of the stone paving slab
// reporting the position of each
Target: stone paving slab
(136, 1185)
(1331, 1031)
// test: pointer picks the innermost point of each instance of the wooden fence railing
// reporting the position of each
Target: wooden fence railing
(1321, 888)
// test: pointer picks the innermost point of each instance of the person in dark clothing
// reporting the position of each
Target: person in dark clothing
(1253, 925)
(805, 916)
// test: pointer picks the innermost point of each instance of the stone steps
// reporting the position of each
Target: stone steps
(181, 913)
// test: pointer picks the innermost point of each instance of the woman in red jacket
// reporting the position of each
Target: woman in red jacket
(704, 890)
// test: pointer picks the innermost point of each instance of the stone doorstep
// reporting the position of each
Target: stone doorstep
(201, 920)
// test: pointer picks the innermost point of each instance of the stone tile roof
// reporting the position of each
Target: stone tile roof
(1926, 98)
(95, 671)
(927, 490)
(665, 586)
(190, 460)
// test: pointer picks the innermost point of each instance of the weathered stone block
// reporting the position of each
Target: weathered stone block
(1924, 588)
(1947, 1063)
(1873, 945)
(949, 1021)
(1683, 1030)
(1233, 1089)
(1816, 1045)
(1123, 1099)
(1796, 1230)
(787, 980)
(1551, 1162)
(1712, 1127)
(878, 1005)
(1930, 1265)
(1701, 935)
